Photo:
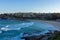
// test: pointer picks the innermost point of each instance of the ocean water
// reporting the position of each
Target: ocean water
(15, 29)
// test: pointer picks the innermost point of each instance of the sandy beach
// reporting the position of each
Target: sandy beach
(54, 23)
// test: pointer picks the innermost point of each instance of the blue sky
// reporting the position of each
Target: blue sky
(29, 6)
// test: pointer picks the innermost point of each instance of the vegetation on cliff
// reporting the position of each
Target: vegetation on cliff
(55, 36)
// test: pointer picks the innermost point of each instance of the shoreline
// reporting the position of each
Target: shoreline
(54, 23)
(44, 34)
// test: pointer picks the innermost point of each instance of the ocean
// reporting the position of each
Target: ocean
(15, 29)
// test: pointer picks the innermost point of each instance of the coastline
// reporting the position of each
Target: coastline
(45, 33)
(54, 23)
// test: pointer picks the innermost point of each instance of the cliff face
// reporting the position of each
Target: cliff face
(44, 16)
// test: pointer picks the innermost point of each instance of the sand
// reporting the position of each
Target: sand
(54, 23)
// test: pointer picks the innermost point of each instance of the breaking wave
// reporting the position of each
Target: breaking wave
(13, 30)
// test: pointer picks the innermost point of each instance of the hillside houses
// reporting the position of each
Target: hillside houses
(41, 16)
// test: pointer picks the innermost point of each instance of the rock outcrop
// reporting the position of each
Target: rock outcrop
(46, 36)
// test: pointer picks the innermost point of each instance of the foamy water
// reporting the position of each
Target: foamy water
(15, 29)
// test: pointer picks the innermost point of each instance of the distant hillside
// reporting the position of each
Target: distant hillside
(41, 16)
